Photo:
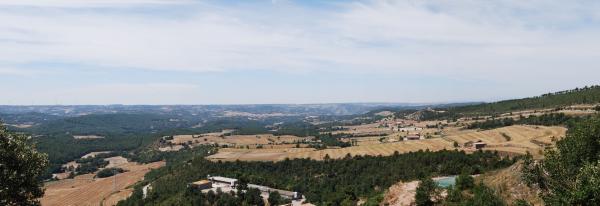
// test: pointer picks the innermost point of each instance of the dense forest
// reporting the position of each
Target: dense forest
(585, 95)
(551, 119)
(329, 182)
(120, 132)
(54, 135)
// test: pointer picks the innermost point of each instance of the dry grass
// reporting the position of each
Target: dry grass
(239, 140)
(400, 194)
(85, 190)
(229, 154)
(521, 138)
(117, 161)
(365, 129)
(93, 154)
(508, 184)
(87, 137)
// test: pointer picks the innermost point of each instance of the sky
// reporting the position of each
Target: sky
(281, 51)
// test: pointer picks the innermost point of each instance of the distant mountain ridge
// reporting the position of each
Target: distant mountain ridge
(297, 109)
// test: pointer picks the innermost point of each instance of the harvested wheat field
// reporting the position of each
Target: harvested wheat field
(384, 149)
(117, 161)
(365, 129)
(517, 139)
(86, 190)
(510, 140)
(229, 154)
(261, 139)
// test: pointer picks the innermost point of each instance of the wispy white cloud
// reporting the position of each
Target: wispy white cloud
(126, 93)
(8, 71)
(88, 3)
(502, 41)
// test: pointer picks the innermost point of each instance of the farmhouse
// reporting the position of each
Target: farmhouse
(479, 145)
(412, 137)
(223, 180)
(228, 184)
(284, 193)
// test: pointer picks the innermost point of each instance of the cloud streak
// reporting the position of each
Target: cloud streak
(88, 3)
(507, 42)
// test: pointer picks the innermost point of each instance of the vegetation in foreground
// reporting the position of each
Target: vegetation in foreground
(20, 168)
(570, 173)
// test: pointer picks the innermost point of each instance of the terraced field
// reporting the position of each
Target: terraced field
(376, 149)
(262, 139)
(229, 154)
(511, 140)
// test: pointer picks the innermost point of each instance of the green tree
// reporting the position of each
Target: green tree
(275, 198)
(484, 196)
(464, 181)
(454, 195)
(426, 190)
(521, 202)
(20, 168)
(252, 197)
(569, 174)
(241, 184)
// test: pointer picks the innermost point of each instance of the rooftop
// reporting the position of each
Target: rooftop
(201, 182)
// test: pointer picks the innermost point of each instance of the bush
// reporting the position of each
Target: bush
(426, 190)
(521, 202)
(454, 195)
(275, 198)
(464, 181)
(109, 172)
(506, 136)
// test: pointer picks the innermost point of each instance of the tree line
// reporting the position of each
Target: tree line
(551, 119)
(329, 182)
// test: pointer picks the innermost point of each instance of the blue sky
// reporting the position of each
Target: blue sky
(245, 52)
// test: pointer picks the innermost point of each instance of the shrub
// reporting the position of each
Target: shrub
(464, 181)
(426, 190)
(109, 172)
(506, 136)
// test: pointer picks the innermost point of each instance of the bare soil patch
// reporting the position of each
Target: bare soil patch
(86, 190)
(87, 137)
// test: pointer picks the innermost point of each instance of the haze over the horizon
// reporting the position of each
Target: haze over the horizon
(246, 52)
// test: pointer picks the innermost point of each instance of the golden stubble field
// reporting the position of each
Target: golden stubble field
(522, 139)
(86, 190)
(216, 138)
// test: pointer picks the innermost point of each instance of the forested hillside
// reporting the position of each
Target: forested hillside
(586, 95)
(329, 182)
(55, 135)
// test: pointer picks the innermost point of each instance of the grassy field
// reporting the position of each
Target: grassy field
(510, 140)
(86, 190)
